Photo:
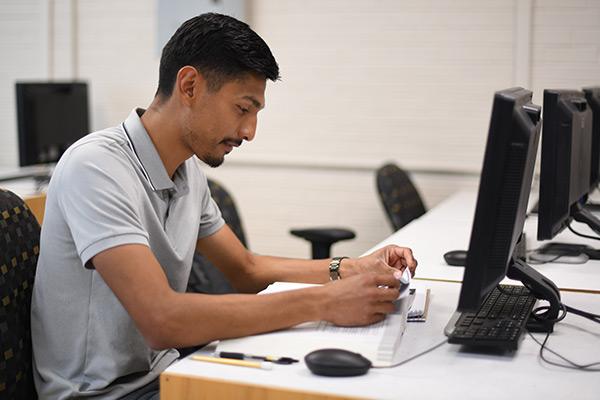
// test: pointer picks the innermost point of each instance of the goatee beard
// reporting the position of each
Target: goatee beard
(213, 162)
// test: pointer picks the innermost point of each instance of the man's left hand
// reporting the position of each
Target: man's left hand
(390, 259)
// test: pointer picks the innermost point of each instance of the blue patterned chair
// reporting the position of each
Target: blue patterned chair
(19, 249)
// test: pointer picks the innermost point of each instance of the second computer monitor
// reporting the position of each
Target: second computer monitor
(50, 117)
(566, 159)
(592, 95)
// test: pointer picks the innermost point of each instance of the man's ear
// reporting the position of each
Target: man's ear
(190, 84)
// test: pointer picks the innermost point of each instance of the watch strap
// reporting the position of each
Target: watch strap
(334, 268)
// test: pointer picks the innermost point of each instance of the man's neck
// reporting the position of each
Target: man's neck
(165, 134)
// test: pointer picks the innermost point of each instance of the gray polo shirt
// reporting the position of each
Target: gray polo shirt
(110, 188)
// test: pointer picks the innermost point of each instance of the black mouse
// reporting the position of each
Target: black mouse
(336, 362)
(457, 258)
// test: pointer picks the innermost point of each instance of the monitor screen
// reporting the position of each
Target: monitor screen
(50, 117)
(592, 95)
(566, 159)
(504, 188)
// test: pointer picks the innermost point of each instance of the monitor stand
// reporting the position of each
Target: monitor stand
(563, 251)
(542, 288)
(584, 215)
(593, 207)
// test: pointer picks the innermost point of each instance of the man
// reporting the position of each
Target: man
(128, 206)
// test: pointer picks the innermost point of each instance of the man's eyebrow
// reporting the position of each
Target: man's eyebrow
(256, 103)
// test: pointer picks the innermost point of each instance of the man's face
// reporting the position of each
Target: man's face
(219, 121)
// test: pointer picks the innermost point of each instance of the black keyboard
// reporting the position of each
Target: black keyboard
(499, 322)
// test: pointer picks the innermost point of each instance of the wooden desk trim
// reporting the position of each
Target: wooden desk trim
(562, 289)
(188, 387)
(37, 205)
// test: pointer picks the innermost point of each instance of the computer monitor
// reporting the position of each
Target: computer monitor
(592, 95)
(50, 117)
(504, 188)
(566, 163)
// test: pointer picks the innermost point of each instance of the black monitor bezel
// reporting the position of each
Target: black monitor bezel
(565, 159)
(504, 188)
(592, 95)
(27, 139)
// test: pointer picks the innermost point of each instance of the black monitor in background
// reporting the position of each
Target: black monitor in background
(592, 95)
(504, 188)
(566, 163)
(50, 117)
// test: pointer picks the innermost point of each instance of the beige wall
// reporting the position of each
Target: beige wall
(363, 82)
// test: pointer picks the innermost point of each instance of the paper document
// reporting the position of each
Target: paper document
(377, 342)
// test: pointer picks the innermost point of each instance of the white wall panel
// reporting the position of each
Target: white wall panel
(117, 57)
(364, 82)
(273, 200)
(23, 41)
(410, 81)
(566, 45)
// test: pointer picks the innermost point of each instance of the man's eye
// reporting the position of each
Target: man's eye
(243, 110)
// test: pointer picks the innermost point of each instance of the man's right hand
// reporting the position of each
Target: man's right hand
(360, 299)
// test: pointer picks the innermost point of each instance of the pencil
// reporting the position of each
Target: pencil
(230, 361)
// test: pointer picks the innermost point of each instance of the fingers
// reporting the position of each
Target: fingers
(387, 295)
(401, 258)
(386, 280)
(367, 298)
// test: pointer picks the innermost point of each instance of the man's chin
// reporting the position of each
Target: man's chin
(213, 162)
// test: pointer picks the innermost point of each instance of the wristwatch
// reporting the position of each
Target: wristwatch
(334, 268)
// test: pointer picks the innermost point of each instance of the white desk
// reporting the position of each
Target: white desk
(448, 227)
(446, 373)
(15, 173)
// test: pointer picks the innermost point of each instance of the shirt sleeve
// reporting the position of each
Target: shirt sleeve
(211, 219)
(98, 200)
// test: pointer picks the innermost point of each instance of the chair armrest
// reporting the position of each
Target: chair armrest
(322, 238)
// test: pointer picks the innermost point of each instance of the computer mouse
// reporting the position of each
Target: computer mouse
(456, 258)
(336, 362)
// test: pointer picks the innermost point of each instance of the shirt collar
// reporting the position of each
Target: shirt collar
(144, 151)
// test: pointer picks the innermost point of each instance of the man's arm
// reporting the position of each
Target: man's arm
(170, 319)
(250, 273)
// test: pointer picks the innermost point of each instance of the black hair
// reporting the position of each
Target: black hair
(220, 47)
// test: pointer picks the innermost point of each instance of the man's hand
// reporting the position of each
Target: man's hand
(387, 260)
(362, 299)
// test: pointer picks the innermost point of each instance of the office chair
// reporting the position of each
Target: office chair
(400, 198)
(322, 239)
(19, 249)
(206, 278)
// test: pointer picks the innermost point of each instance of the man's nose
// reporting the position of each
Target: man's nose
(248, 129)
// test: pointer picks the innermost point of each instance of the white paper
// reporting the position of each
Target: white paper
(377, 342)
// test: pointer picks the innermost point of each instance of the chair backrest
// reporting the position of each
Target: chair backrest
(205, 277)
(19, 249)
(400, 198)
(230, 214)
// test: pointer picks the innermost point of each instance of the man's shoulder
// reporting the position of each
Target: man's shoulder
(109, 139)
(98, 147)
(101, 153)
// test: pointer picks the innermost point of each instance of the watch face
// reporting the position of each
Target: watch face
(334, 268)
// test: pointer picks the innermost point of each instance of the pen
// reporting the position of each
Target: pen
(242, 356)
(229, 361)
